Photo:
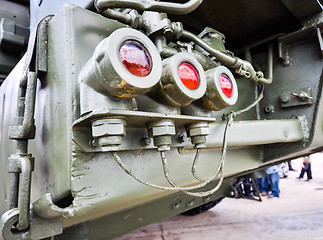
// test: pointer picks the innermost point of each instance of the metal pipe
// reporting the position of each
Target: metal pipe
(117, 15)
(270, 64)
(242, 67)
(270, 60)
(224, 58)
(132, 19)
(149, 5)
(164, 50)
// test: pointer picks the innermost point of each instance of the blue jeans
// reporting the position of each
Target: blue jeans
(308, 170)
(259, 183)
(271, 183)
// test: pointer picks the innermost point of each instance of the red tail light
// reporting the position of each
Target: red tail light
(226, 85)
(188, 76)
(135, 58)
(222, 89)
(126, 64)
(183, 81)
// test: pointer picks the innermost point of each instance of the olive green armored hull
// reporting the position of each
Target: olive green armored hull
(110, 146)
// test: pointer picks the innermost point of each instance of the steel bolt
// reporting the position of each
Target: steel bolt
(182, 138)
(285, 99)
(269, 108)
(145, 141)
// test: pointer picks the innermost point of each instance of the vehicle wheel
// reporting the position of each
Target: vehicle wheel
(202, 208)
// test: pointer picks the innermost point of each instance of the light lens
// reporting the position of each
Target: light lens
(188, 76)
(136, 59)
(226, 85)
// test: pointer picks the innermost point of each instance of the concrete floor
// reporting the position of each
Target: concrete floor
(297, 215)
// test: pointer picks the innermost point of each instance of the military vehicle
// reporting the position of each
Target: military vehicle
(120, 113)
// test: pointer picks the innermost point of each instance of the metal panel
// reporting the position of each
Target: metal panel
(58, 107)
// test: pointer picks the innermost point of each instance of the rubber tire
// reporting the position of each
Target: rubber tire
(203, 208)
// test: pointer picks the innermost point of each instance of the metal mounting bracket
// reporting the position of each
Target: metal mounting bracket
(299, 97)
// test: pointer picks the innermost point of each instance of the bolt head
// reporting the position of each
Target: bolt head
(269, 109)
(145, 141)
(285, 99)
(182, 138)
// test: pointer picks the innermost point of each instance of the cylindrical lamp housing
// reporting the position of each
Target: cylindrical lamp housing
(183, 81)
(126, 64)
(222, 89)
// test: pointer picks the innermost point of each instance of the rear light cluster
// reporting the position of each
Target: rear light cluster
(127, 64)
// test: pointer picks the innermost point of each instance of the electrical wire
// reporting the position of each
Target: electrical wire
(219, 171)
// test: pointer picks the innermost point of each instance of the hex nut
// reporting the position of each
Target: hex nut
(161, 131)
(108, 127)
(198, 131)
(161, 127)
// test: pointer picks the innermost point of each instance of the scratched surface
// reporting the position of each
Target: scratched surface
(297, 215)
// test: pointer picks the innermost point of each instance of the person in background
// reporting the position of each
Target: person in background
(271, 183)
(306, 167)
(283, 170)
(290, 167)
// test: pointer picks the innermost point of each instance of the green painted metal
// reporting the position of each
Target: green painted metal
(149, 5)
(81, 128)
(132, 218)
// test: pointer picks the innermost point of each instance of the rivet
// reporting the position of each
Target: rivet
(177, 203)
(207, 199)
(190, 202)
